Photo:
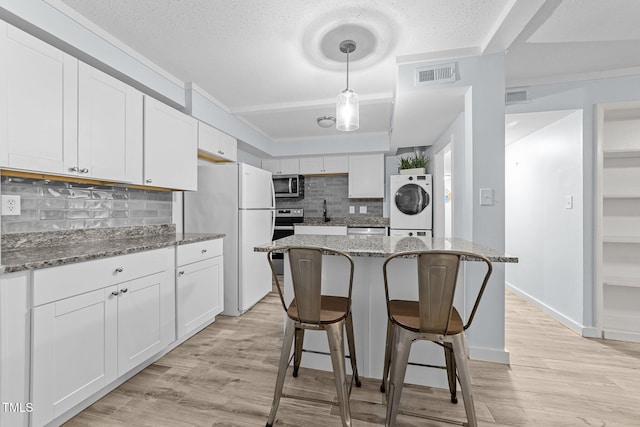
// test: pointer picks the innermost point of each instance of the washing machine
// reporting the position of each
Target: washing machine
(411, 202)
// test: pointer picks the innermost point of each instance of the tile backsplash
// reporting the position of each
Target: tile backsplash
(335, 190)
(56, 205)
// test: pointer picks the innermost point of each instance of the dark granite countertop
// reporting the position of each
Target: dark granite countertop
(349, 221)
(384, 246)
(31, 251)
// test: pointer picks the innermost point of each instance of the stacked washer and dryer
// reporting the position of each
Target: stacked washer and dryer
(411, 206)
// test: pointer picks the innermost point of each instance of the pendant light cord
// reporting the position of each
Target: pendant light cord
(347, 69)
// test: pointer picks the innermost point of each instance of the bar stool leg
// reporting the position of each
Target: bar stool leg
(451, 371)
(387, 355)
(282, 369)
(352, 349)
(398, 369)
(297, 355)
(460, 353)
(336, 349)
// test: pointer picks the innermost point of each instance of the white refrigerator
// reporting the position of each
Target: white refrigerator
(238, 200)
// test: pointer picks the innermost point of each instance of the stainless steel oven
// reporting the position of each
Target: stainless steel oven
(288, 185)
(285, 220)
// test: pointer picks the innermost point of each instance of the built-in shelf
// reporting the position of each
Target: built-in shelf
(622, 281)
(619, 244)
(620, 154)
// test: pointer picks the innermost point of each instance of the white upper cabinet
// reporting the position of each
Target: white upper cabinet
(170, 147)
(366, 176)
(109, 128)
(324, 165)
(289, 166)
(38, 104)
(216, 144)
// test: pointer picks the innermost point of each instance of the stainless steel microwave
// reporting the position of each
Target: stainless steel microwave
(288, 185)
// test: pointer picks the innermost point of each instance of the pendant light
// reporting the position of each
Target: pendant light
(347, 109)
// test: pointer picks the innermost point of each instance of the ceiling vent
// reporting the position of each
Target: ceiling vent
(519, 96)
(443, 73)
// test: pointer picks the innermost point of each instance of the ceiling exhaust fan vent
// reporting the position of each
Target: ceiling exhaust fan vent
(444, 73)
(516, 97)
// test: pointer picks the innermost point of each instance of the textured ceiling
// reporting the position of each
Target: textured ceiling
(276, 65)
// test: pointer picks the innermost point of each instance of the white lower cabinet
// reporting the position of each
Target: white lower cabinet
(82, 341)
(199, 285)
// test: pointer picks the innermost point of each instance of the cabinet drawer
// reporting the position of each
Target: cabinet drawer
(55, 283)
(198, 251)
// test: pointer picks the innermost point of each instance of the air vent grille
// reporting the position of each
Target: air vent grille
(444, 73)
(516, 97)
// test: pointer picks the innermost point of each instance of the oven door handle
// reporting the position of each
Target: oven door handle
(284, 227)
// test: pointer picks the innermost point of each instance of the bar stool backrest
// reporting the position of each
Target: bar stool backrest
(437, 276)
(306, 275)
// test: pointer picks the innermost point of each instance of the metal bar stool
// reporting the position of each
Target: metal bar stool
(432, 318)
(309, 309)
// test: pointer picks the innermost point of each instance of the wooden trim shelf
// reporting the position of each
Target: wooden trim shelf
(621, 196)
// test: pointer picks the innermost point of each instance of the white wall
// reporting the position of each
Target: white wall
(542, 170)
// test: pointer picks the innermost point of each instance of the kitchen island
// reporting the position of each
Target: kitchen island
(369, 306)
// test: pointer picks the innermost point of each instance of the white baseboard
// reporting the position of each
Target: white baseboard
(489, 354)
(585, 331)
(621, 335)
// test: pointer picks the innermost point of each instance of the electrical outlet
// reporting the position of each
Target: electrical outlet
(10, 205)
(363, 209)
(352, 209)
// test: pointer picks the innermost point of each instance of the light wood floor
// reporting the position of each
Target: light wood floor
(224, 376)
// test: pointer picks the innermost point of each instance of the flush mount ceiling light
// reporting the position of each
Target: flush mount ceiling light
(326, 121)
(347, 109)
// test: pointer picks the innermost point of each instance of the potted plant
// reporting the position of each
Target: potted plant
(414, 164)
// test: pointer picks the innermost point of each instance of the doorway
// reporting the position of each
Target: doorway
(443, 196)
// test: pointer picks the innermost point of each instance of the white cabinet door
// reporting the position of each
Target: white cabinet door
(199, 294)
(170, 147)
(336, 164)
(289, 166)
(272, 165)
(311, 165)
(282, 166)
(109, 128)
(38, 104)
(366, 176)
(139, 321)
(74, 351)
(217, 144)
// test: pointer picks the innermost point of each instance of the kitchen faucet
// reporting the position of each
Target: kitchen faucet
(324, 211)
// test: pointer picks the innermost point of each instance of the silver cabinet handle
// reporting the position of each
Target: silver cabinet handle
(149, 181)
(84, 170)
(73, 169)
(204, 251)
(180, 273)
(115, 293)
(124, 290)
(119, 270)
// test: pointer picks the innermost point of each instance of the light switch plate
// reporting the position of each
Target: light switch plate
(352, 209)
(486, 196)
(10, 205)
(363, 209)
(568, 202)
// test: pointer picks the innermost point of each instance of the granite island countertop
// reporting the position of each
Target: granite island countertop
(384, 246)
(349, 221)
(31, 251)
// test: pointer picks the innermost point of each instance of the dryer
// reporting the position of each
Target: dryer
(411, 202)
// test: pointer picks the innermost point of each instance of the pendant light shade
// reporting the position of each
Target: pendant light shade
(347, 105)
(347, 111)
